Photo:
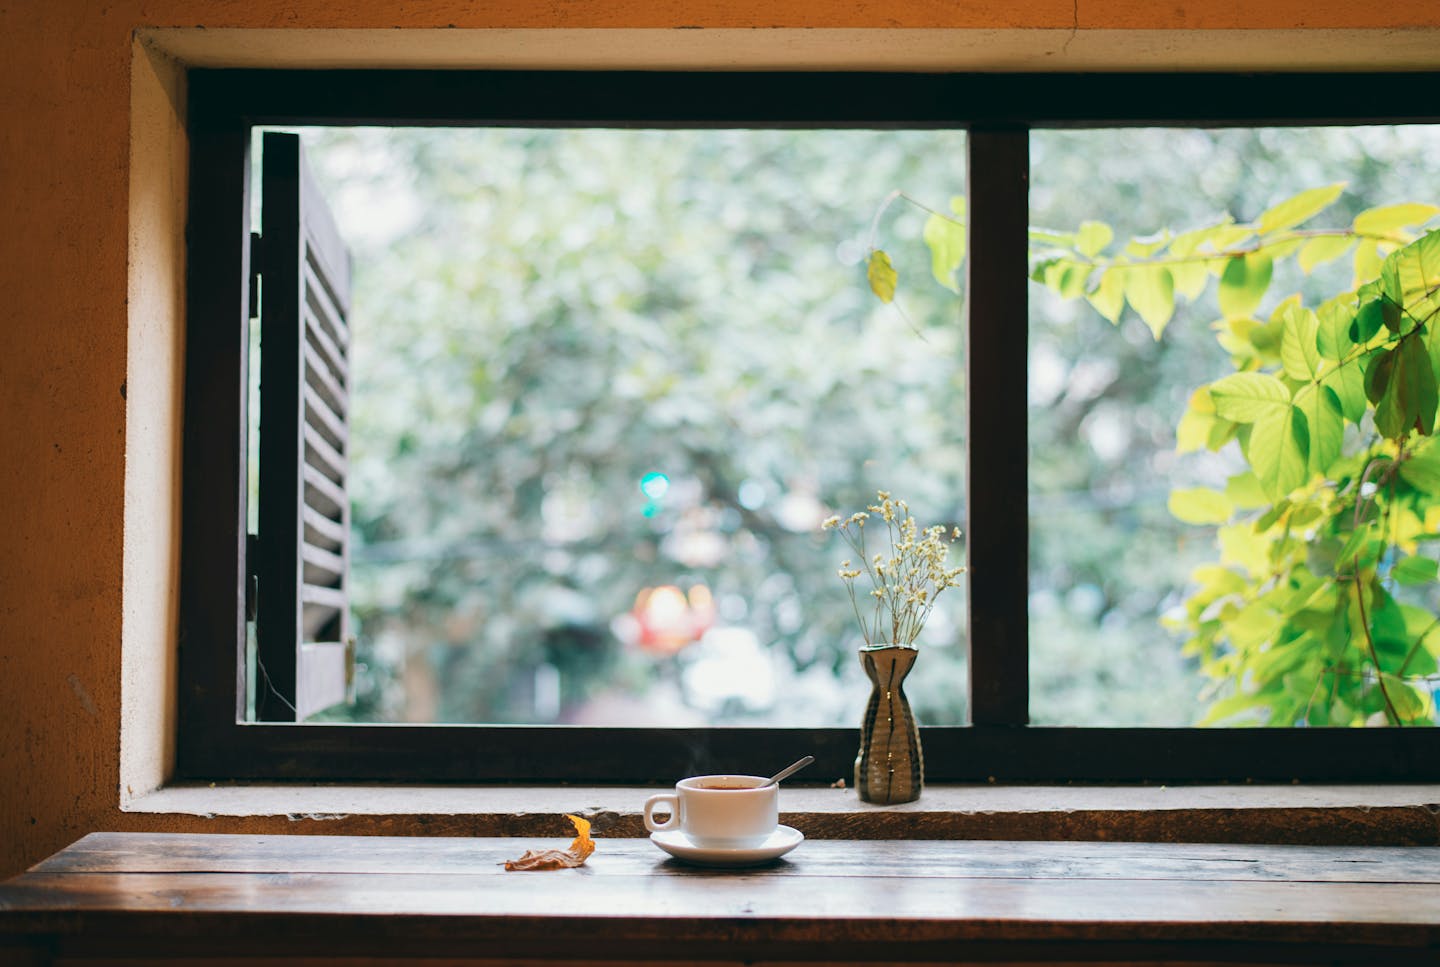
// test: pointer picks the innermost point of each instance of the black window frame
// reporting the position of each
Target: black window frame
(998, 111)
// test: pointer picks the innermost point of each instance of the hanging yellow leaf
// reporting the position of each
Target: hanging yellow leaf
(1293, 211)
(1092, 238)
(1150, 290)
(1390, 217)
(882, 275)
(558, 859)
(1109, 295)
(946, 237)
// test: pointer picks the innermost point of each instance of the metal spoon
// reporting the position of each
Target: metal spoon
(788, 770)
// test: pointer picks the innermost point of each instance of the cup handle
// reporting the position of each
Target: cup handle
(668, 799)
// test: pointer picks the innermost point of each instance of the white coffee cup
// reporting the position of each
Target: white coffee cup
(718, 812)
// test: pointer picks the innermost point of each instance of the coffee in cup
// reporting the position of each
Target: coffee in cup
(718, 812)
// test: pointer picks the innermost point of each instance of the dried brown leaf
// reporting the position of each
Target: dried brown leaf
(558, 859)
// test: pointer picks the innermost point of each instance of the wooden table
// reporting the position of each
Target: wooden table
(132, 898)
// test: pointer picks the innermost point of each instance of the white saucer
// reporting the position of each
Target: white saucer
(680, 846)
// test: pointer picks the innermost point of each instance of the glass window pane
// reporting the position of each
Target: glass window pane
(607, 386)
(1127, 626)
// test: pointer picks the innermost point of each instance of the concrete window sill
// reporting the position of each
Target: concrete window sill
(1318, 815)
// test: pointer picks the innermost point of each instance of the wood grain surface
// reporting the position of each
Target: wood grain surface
(114, 895)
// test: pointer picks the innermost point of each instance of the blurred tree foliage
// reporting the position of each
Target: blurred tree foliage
(545, 319)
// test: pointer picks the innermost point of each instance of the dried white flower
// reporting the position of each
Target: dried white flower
(905, 584)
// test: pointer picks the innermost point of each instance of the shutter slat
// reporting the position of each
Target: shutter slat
(334, 358)
(322, 493)
(321, 531)
(319, 377)
(321, 303)
(322, 567)
(322, 456)
(319, 415)
(332, 598)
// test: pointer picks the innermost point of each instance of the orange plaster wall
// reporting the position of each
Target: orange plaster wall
(65, 210)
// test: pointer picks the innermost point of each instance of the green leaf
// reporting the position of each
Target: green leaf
(1432, 345)
(1047, 237)
(1387, 218)
(1308, 513)
(1190, 279)
(1283, 248)
(1348, 382)
(1092, 237)
(1266, 338)
(1357, 548)
(1390, 417)
(1412, 571)
(1421, 470)
(1188, 243)
(1039, 266)
(1278, 511)
(1243, 491)
(1420, 383)
(1326, 423)
(1421, 626)
(1324, 249)
(1228, 236)
(1252, 706)
(1408, 400)
(1387, 621)
(881, 275)
(1309, 590)
(1200, 505)
(1293, 211)
(1369, 318)
(1234, 336)
(1221, 433)
(1367, 261)
(1067, 278)
(1255, 624)
(946, 238)
(1411, 277)
(1278, 660)
(1409, 705)
(1378, 373)
(1196, 423)
(1248, 397)
(1299, 352)
(1279, 451)
(1108, 298)
(1243, 284)
(1240, 547)
(1332, 330)
(1218, 581)
(1147, 246)
(1150, 290)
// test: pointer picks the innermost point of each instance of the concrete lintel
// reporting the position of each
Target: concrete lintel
(785, 48)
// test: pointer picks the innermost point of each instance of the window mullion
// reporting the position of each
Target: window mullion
(211, 631)
(997, 537)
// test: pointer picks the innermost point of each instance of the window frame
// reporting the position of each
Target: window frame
(998, 111)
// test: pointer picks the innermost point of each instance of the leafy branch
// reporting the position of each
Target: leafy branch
(1321, 579)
